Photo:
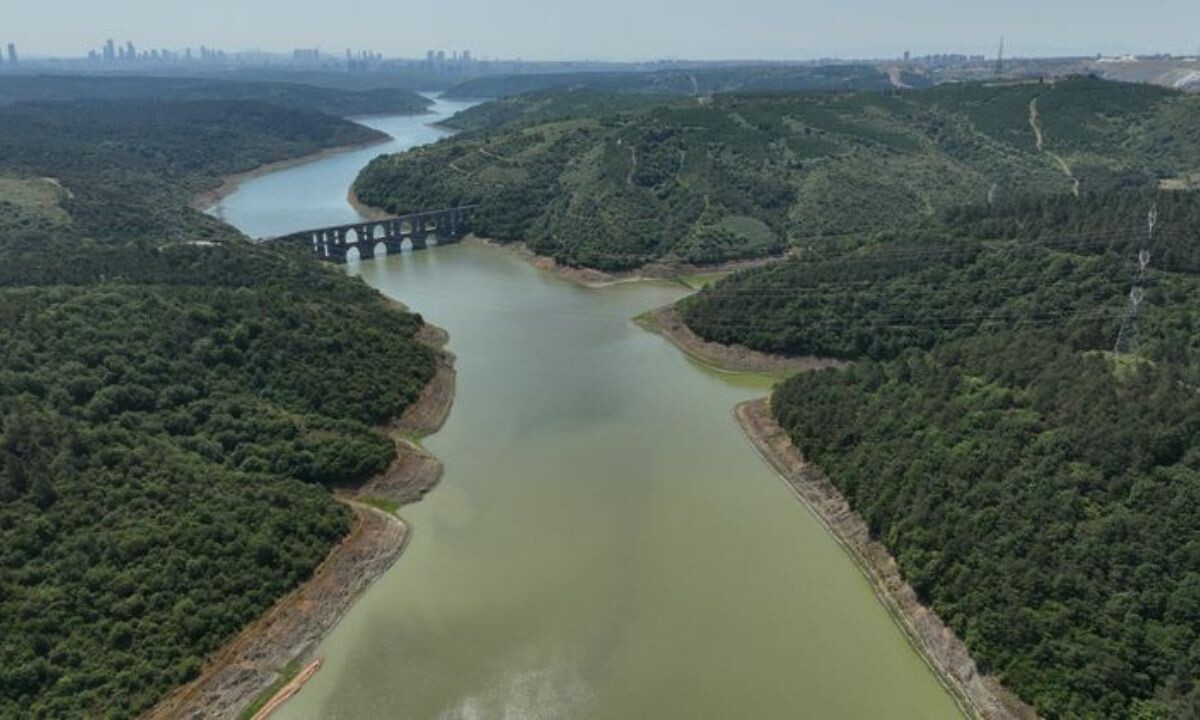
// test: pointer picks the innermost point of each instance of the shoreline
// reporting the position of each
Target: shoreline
(665, 321)
(255, 661)
(979, 696)
(208, 199)
(591, 277)
(597, 279)
(370, 212)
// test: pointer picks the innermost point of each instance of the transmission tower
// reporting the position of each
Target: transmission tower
(1000, 60)
(1127, 340)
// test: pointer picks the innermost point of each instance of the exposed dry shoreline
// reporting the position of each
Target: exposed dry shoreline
(592, 278)
(255, 660)
(368, 211)
(230, 183)
(665, 321)
(981, 696)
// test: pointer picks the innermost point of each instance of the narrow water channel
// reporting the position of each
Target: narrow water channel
(604, 544)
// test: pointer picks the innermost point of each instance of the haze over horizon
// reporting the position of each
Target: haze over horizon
(619, 29)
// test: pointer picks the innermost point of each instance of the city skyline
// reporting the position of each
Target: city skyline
(623, 30)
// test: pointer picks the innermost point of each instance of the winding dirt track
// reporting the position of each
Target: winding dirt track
(1035, 122)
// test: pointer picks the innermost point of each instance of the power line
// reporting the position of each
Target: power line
(1127, 340)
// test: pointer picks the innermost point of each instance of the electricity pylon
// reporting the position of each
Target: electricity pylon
(1127, 339)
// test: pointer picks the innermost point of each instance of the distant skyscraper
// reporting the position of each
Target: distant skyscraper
(12, 54)
(110, 50)
(130, 51)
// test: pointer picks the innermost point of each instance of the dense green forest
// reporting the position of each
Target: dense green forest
(284, 91)
(127, 169)
(1039, 261)
(698, 81)
(617, 182)
(1041, 494)
(175, 402)
(1043, 499)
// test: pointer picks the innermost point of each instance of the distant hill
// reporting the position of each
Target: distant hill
(128, 168)
(615, 182)
(34, 88)
(540, 106)
(702, 81)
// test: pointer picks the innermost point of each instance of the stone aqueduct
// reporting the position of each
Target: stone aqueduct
(332, 244)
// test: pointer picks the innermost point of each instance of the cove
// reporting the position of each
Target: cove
(605, 543)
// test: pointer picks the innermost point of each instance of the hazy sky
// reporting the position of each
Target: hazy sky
(612, 29)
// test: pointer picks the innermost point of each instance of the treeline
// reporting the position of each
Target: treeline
(615, 181)
(1038, 491)
(295, 91)
(1044, 501)
(130, 167)
(1058, 261)
(175, 402)
(696, 81)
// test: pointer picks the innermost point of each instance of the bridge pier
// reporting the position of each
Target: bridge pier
(331, 244)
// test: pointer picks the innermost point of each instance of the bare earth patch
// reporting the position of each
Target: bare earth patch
(981, 696)
(734, 358)
(590, 277)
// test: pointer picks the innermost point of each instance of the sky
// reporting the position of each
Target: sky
(613, 29)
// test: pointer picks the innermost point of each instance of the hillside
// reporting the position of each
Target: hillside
(129, 170)
(1054, 260)
(699, 81)
(175, 402)
(298, 96)
(1038, 492)
(608, 183)
(1040, 498)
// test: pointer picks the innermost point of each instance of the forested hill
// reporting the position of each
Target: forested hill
(298, 96)
(1042, 499)
(699, 81)
(1041, 261)
(126, 170)
(1040, 493)
(614, 183)
(175, 402)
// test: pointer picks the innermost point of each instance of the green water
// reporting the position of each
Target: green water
(605, 544)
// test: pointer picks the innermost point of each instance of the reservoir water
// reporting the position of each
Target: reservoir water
(605, 544)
